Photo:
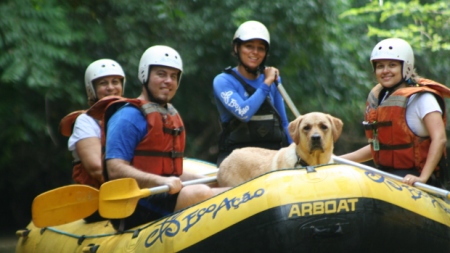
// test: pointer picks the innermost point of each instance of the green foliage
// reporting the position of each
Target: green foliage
(428, 26)
(321, 47)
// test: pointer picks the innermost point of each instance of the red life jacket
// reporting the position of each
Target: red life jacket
(79, 173)
(161, 150)
(399, 147)
(67, 123)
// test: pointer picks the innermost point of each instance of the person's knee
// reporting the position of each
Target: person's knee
(193, 194)
(199, 192)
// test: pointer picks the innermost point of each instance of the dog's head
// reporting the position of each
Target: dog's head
(315, 131)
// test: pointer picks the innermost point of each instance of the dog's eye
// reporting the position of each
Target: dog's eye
(306, 128)
(324, 127)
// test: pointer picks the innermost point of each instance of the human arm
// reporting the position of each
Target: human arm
(125, 130)
(90, 153)
(436, 129)
(118, 168)
(361, 155)
(86, 145)
(270, 73)
(234, 99)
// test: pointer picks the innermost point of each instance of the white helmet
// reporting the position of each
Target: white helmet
(395, 49)
(101, 68)
(252, 30)
(162, 56)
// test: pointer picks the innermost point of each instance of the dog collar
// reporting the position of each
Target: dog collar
(300, 162)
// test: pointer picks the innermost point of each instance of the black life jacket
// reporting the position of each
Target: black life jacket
(264, 129)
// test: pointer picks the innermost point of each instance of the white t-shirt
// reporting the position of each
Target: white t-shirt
(85, 127)
(419, 105)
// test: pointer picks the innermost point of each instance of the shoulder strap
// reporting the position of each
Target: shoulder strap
(67, 123)
(250, 90)
(436, 86)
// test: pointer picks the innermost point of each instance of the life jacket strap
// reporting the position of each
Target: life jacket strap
(170, 154)
(376, 125)
(174, 132)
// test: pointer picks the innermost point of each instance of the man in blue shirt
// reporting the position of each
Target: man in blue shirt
(145, 140)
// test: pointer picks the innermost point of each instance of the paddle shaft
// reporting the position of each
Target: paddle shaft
(165, 188)
(210, 172)
(287, 98)
(422, 186)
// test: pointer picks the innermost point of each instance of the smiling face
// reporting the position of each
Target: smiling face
(388, 72)
(108, 86)
(252, 52)
(163, 83)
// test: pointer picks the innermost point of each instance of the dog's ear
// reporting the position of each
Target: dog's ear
(336, 125)
(294, 131)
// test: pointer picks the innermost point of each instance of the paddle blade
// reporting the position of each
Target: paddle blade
(118, 198)
(63, 205)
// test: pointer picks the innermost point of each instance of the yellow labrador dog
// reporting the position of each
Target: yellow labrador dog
(313, 134)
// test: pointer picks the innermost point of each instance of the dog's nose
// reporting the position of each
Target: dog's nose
(316, 143)
(315, 137)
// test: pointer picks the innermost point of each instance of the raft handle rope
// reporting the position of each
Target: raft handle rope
(87, 236)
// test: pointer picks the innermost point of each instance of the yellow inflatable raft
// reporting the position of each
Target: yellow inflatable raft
(328, 208)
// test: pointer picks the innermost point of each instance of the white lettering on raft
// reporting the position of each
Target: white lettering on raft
(322, 207)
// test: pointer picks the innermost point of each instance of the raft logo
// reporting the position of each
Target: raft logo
(171, 226)
(415, 194)
(393, 185)
(322, 207)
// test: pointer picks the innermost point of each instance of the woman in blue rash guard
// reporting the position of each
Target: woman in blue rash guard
(252, 111)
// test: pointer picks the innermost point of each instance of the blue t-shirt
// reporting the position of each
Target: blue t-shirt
(125, 130)
(232, 99)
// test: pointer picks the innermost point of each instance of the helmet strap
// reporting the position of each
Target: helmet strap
(95, 100)
(150, 97)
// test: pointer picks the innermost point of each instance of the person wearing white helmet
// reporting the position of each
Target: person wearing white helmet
(145, 140)
(97, 76)
(404, 118)
(251, 109)
(103, 78)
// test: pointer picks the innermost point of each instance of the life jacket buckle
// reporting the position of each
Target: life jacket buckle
(176, 132)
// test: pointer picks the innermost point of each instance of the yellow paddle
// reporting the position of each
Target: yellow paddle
(118, 198)
(73, 202)
(63, 205)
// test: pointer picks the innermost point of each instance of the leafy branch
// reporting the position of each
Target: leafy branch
(429, 23)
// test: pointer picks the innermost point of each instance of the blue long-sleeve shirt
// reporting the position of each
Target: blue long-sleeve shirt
(232, 99)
